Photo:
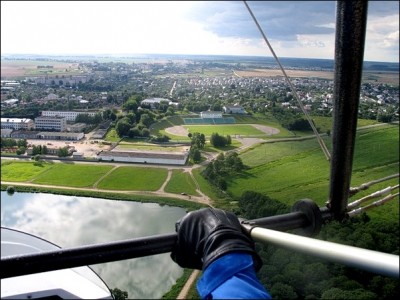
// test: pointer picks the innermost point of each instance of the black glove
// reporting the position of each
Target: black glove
(207, 234)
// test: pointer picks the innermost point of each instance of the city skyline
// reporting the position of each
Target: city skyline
(301, 29)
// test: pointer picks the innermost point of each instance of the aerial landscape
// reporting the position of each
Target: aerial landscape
(113, 132)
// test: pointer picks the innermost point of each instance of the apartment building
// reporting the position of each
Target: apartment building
(56, 123)
(17, 123)
(69, 115)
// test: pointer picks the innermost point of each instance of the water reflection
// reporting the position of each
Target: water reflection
(72, 221)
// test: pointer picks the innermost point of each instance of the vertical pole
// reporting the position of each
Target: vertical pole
(351, 19)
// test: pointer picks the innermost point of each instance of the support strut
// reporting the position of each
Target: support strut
(351, 20)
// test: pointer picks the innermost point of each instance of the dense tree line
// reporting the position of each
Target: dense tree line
(10, 143)
(221, 168)
(87, 119)
(198, 141)
(290, 275)
(39, 149)
(291, 119)
(219, 141)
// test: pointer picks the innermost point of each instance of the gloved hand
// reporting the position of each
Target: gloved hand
(207, 234)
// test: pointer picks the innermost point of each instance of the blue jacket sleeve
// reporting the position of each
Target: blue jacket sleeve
(231, 276)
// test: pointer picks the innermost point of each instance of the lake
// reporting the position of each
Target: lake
(75, 221)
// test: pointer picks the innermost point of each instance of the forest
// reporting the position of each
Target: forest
(289, 275)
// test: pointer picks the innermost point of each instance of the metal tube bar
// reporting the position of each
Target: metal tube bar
(101, 253)
(18, 265)
(351, 19)
(284, 222)
(373, 261)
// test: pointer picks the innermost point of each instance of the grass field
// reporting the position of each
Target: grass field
(74, 175)
(21, 171)
(135, 179)
(391, 78)
(231, 129)
(325, 123)
(20, 68)
(181, 182)
(291, 171)
(268, 152)
(112, 136)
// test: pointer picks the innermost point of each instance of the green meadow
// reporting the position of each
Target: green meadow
(285, 171)
(21, 171)
(134, 179)
(181, 182)
(231, 129)
(74, 175)
(292, 171)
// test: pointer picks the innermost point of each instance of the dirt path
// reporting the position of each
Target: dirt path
(196, 199)
(183, 293)
(161, 189)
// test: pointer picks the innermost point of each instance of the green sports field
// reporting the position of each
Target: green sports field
(231, 129)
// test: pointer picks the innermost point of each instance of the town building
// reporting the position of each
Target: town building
(69, 115)
(63, 136)
(77, 127)
(232, 109)
(43, 135)
(6, 133)
(154, 102)
(144, 157)
(17, 123)
(55, 123)
(24, 134)
(211, 114)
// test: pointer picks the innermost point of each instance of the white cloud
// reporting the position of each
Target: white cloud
(382, 38)
(186, 27)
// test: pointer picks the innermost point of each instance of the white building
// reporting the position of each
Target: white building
(6, 133)
(63, 136)
(17, 123)
(69, 115)
(211, 114)
(56, 123)
(144, 157)
(231, 109)
(153, 102)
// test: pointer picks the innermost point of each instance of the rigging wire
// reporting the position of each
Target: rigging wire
(319, 139)
(376, 194)
(366, 185)
(372, 205)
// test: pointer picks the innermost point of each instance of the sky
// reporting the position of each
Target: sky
(304, 29)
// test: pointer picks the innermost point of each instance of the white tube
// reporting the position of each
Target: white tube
(373, 261)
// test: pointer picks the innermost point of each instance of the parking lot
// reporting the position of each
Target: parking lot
(87, 146)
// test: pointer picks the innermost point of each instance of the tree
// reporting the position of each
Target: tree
(218, 140)
(110, 98)
(122, 127)
(146, 120)
(255, 205)
(63, 152)
(36, 149)
(145, 132)
(283, 291)
(22, 143)
(198, 139)
(131, 104)
(20, 150)
(195, 154)
(44, 150)
(10, 190)
(133, 132)
(119, 294)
